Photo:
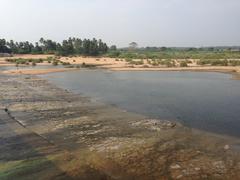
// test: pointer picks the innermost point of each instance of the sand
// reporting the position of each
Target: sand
(116, 64)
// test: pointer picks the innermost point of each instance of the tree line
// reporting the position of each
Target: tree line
(70, 46)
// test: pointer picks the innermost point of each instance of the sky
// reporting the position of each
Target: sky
(147, 22)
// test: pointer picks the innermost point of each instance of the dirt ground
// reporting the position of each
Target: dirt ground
(49, 133)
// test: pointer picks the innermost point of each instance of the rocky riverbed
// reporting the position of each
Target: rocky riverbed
(50, 133)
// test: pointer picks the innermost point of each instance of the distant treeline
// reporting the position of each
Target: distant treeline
(213, 48)
(177, 53)
(94, 47)
(70, 46)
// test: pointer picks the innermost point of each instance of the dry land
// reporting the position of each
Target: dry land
(117, 65)
(49, 133)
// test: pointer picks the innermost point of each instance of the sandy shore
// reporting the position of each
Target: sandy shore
(121, 65)
(235, 71)
(116, 65)
(48, 133)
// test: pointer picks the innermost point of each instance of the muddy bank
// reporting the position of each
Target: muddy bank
(54, 134)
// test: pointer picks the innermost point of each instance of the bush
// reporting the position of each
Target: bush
(213, 62)
(128, 60)
(50, 58)
(183, 64)
(129, 55)
(114, 54)
(234, 62)
(65, 63)
(170, 64)
(84, 65)
(136, 62)
(55, 63)
(219, 63)
(204, 62)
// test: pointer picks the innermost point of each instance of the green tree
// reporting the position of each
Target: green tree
(183, 64)
(133, 45)
(113, 48)
(3, 46)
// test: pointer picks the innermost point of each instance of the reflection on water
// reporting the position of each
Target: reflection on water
(209, 101)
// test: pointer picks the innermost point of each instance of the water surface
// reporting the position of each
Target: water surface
(204, 100)
(6, 68)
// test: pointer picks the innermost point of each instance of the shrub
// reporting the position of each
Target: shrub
(49, 58)
(183, 64)
(55, 63)
(84, 65)
(170, 64)
(65, 63)
(155, 63)
(219, 63)
(136, 62)
(234, 62)
(114, 54)
(128, 59)
(203, 62)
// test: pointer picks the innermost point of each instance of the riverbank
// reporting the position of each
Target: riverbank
(115, 64)
(230, 70)
(47, 132)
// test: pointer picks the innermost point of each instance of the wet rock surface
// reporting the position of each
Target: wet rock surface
(50, 133)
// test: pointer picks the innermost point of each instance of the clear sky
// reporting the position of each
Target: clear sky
(148, 22)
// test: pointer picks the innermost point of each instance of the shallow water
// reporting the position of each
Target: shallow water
(6, 68)
(203, 100)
